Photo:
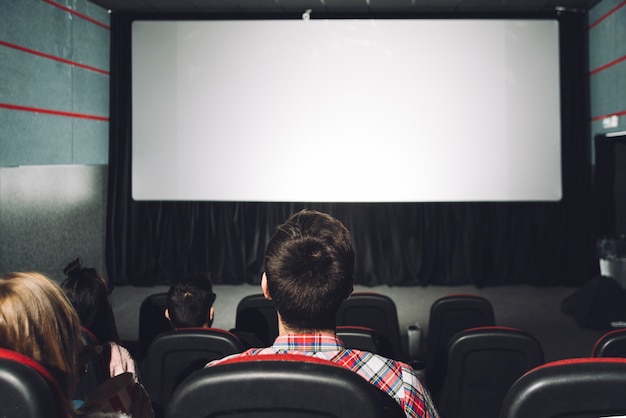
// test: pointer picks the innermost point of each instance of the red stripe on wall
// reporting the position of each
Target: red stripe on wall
(52, 57)
(608, 65)
(52, 112)
(607, 14)
(74, 12)
(598, 118)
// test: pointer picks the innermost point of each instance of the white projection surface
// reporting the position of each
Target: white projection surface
(346, 110)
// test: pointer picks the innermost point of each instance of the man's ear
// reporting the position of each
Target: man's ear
(211, 315)
(167, 314)
(266, 291)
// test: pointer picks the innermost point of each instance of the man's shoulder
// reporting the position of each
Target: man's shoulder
(247, 353)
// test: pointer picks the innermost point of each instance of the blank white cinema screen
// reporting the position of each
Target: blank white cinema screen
(346, 110)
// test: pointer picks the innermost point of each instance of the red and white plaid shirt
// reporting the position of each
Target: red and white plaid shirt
(393, 377)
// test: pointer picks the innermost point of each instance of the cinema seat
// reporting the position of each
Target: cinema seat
(361, 338)
(95, 370)
(483, 363)
(256, 322)
(280, 386)
(174, 355)
(611, 344)
(28, 390)
(375, 311)
(571, 388)
(449, 315)
(152, 321)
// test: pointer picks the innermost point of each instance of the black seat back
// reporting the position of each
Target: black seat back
(571, 388)
(375, 311)
(483, 363)
(174, 355)
(28, 390)
(449, 315)
(279, 386)
(361, 338)
(257, 317)
(611, 344)
(95, 370)
(152, 321)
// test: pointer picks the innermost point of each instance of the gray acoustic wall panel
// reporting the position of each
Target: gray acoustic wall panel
(607, 65)
(54, 71)
(54, 89)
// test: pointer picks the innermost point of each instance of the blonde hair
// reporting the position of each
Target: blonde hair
(38, 320)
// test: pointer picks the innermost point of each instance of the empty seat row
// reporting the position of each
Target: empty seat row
(491, 356)
(500, 372)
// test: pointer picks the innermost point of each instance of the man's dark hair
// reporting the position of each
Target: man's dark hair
(309, 264)
(189, 300)
(87, 290)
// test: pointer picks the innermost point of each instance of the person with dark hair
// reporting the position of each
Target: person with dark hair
(87, 290)
(190, 302)
(309, 264)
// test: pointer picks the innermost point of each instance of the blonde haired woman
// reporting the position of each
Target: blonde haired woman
(38, 320)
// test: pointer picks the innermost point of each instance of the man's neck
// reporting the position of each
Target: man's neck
(284, 329)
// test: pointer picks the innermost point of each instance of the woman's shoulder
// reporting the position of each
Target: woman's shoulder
(118, 347)
(120, 361)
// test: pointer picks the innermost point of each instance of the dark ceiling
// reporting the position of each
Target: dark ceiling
(345, 6)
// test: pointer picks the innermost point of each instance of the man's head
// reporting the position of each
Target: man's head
(87, 290)
(309, 264)
(190, 302)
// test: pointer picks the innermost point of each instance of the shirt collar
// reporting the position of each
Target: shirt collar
(308, 342)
